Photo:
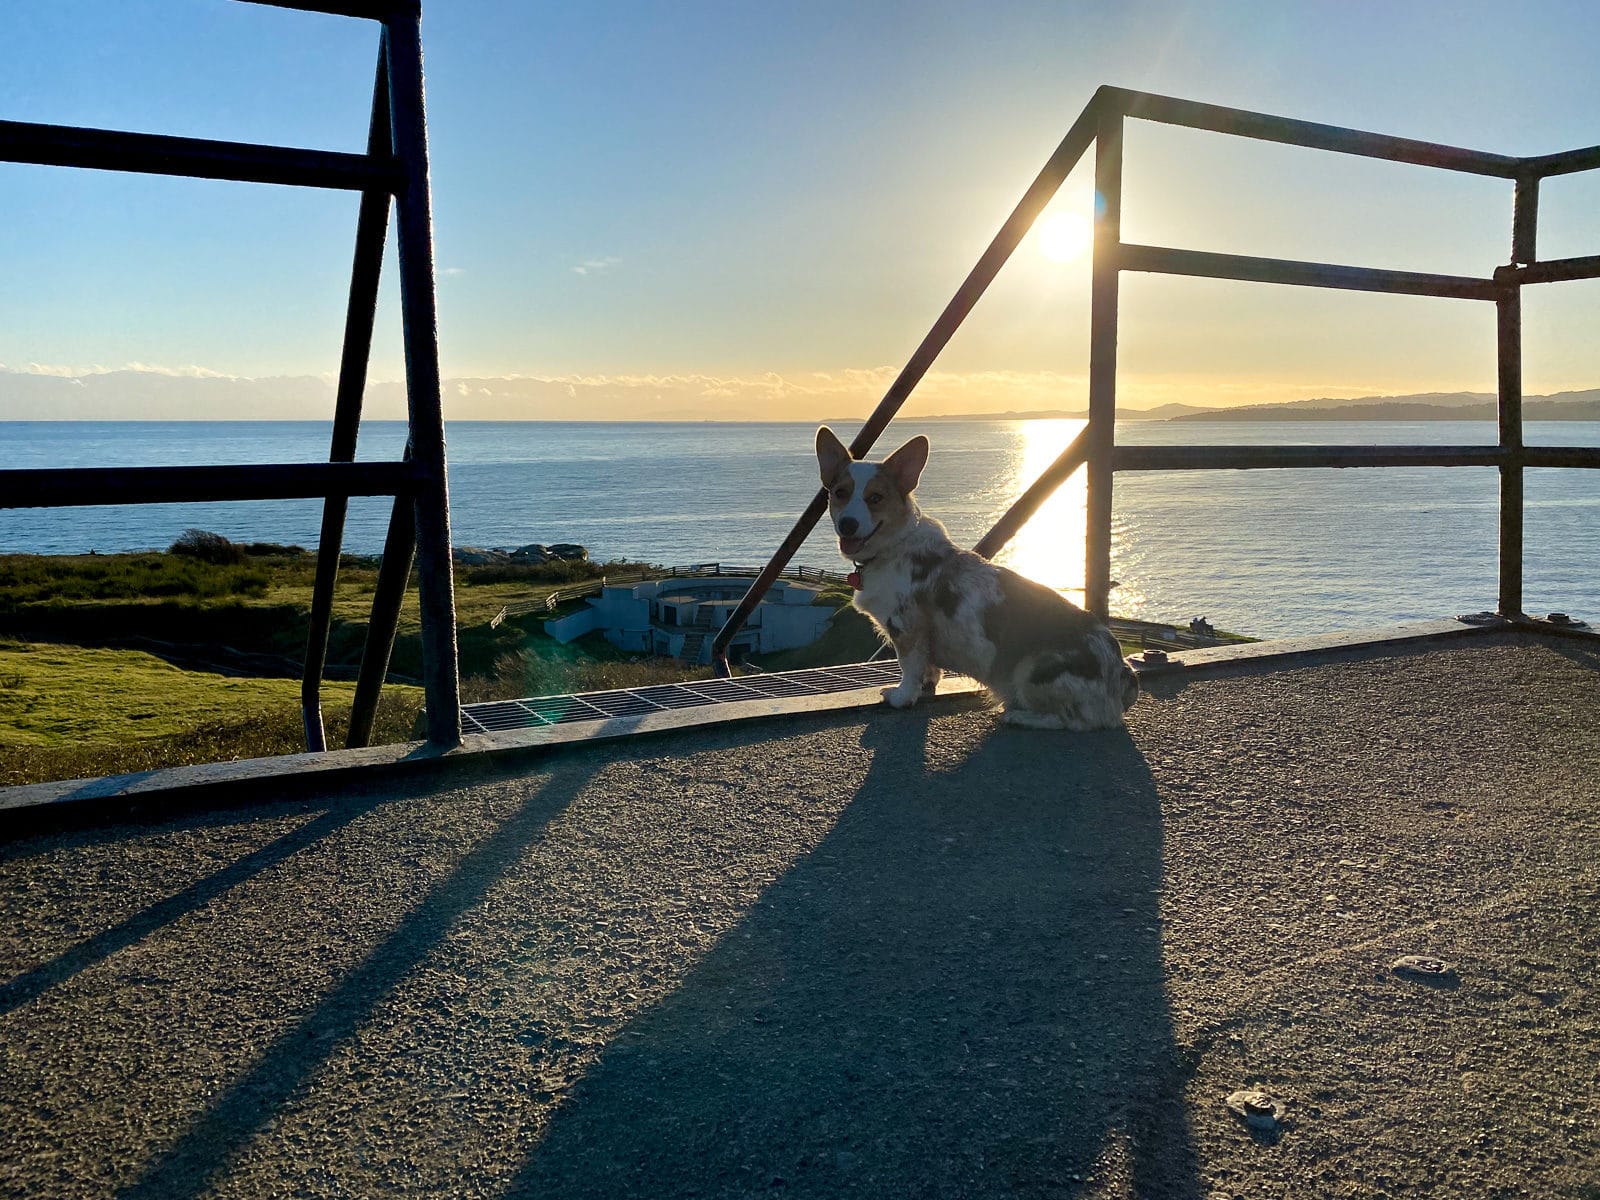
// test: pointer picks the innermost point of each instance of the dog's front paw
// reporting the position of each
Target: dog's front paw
(901, 696)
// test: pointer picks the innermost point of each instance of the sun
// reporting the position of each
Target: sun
(1064, 236)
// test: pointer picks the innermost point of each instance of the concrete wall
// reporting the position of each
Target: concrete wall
(786, 626)
(785, 620)
(573, 625)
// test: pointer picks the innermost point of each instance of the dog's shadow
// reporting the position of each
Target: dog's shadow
(958, 993)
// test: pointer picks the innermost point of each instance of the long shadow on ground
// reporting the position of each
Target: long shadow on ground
(191, 1166)
(959, 993)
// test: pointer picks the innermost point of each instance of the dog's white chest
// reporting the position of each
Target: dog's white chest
(885, 590)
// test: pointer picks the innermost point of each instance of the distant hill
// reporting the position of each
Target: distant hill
(1425, 406)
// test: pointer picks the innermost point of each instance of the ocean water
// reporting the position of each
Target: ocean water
(1262, 552)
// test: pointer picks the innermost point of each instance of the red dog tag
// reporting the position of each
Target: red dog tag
(854, 580)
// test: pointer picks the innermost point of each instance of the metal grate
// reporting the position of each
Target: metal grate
(502, 714)
(670, 695)
(620, 703)
(834, 679)
(498, 716)
(723, 691)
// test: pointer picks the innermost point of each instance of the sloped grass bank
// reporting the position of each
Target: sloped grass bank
(70, 711)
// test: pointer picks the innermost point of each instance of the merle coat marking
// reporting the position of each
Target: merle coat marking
(1051, 664)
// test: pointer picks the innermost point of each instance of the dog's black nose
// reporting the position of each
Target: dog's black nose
(848, 526)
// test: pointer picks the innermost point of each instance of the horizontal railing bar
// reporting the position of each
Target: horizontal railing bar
(1561, 456)
(1264, 127)
(372, 10)
(1564, 163)
(1553, 270)
(195, 158)
(73, 487)
(1206, 264)
(1246, 458)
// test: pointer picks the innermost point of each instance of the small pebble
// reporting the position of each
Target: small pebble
(1423, 967)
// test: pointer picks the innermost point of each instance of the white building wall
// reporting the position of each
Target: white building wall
(573, 626)
(786, 626)
(786, 618)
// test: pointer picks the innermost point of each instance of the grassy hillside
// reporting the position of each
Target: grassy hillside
(113, 663)
(70, 711)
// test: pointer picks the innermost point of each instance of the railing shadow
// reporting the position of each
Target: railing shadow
(30, 984)
(958, 993)
(191, 1165)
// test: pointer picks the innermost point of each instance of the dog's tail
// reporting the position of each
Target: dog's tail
(1130, 687)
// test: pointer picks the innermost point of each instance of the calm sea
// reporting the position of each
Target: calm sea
(1265, 552)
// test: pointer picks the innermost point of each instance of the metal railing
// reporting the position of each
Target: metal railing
(394, 169)
(1101, 125)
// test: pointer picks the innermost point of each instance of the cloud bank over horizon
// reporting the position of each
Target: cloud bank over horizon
(142, 392)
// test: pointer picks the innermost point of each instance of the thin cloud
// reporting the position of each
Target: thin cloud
(56, 370)
(594, 266)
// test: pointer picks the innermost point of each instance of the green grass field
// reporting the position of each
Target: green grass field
(70, 711)
(56, 695)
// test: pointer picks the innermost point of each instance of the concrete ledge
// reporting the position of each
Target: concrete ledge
(1313, 644)
(111, 796)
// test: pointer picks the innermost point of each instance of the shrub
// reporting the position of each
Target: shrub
(208, 547)
(272, 550)
(555, 571)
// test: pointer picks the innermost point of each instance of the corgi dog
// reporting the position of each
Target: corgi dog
(1051, 664)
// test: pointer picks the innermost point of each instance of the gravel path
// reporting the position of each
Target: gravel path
(864, 954)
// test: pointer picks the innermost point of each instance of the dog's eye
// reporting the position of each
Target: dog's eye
(841, 492)
(874, 497)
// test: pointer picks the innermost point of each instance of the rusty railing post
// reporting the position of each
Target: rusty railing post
(1508, 323)
(402, 42)
(1508, 338)
(372, 223)
(1525, 221)
(394, 570)
(1103, 359)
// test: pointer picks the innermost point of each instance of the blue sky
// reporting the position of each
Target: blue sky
(770, 203)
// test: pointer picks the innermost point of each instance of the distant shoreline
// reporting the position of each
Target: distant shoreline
(1533, 409)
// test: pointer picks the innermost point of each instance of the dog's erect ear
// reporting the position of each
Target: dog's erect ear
(905, 464)
(832, 456)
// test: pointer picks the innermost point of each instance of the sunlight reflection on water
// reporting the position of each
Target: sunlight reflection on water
(1050, 547)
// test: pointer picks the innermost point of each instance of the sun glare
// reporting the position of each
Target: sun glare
(1064, 236)
(1049, 548)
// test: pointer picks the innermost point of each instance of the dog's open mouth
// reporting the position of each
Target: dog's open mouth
(850, 547)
